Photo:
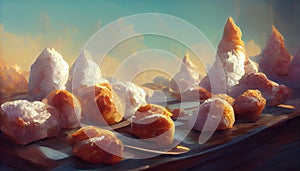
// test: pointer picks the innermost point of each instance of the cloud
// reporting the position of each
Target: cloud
(145, 65)
(206, 58)
(19, 49)
(108, 66)
(119, 52)
(127, 47)
(23, 49)
(252, 49)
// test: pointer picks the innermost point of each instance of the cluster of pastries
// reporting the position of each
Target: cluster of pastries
(277, 63)
(27, 121)
(94, 100)
(233, 73)
(239, 72)
(236, 89)
(221, 111)
(246, 84)
(274, 93)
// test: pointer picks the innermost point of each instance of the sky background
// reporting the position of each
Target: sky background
(27, 27)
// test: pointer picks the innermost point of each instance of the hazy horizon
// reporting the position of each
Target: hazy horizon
(26, 27)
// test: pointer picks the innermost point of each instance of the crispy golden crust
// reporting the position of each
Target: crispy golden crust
(225, 97)
(67, 105)
(274, 94)
(153, 122)
(211, 111)
(249, 105)
(96, 145)
(87, 132)
(153, 108)
(232, 38)
(100, 101)
(60, 98)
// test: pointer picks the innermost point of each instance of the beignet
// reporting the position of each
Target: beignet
(25, 122)
(69, 110)
(249, 105)
(100, 104)
(96, 145)
(213, 114)
(153, 123)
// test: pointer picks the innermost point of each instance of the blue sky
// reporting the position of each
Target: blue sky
(68, 24)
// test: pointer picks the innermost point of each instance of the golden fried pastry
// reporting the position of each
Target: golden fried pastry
(274, 93)
(24, 122)
(96, 145)
(225, 97)
(100, 104)
(153, 108)
(153, 123)
(249, 105)
(68, 108)
(213, 114)
(232, 38)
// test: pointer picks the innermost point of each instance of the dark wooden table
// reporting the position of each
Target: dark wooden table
(275, 148)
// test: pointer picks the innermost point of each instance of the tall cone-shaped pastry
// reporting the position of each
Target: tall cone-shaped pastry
(49, 72)
(84, 72)
(232, 53)
(232, 39)
(186, 78)
(275, 59)
(231, 62)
